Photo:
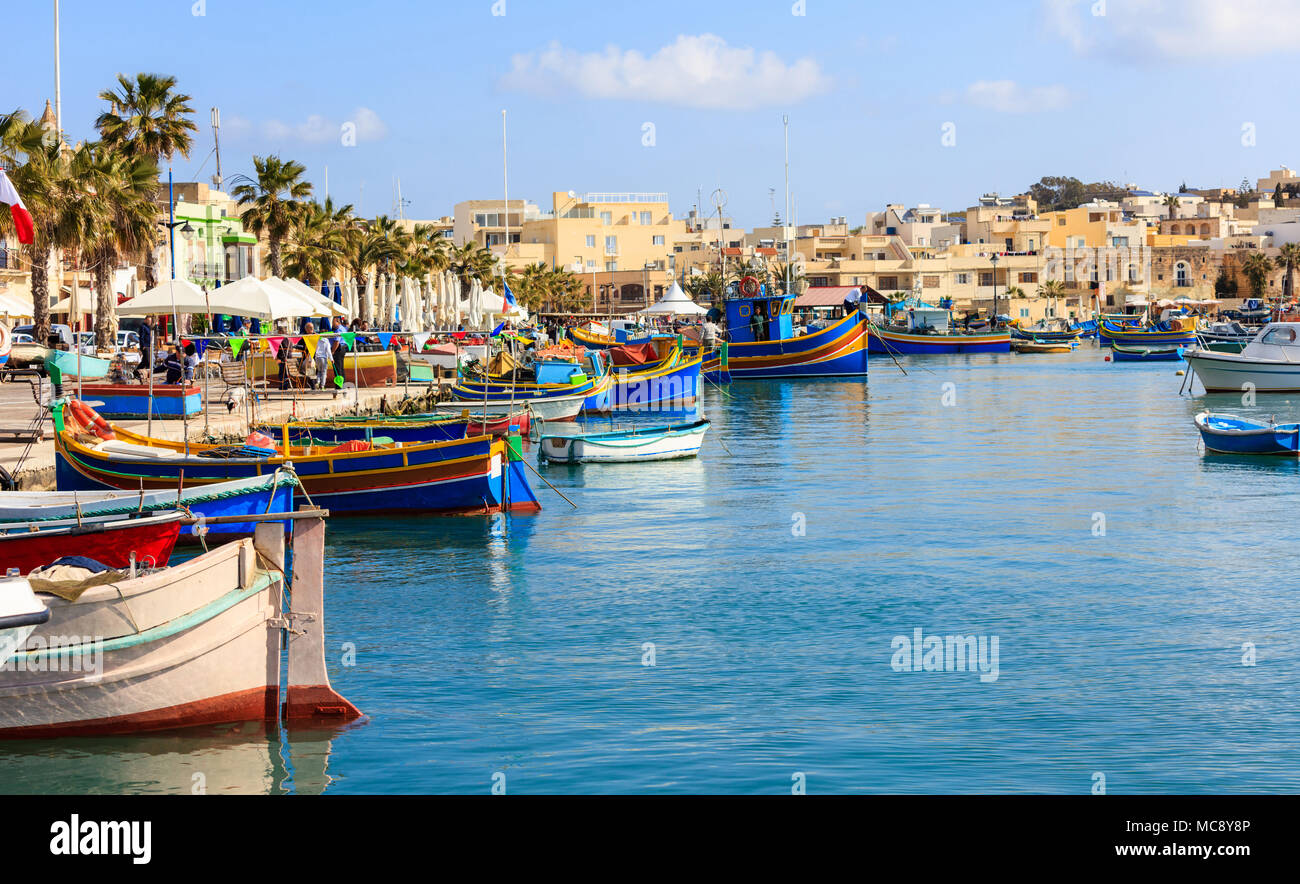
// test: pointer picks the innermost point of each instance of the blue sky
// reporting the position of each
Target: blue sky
(1155, 92)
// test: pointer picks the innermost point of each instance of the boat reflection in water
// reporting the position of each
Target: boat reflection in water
(238, 759)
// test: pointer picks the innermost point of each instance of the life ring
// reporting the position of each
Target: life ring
(749, 286)
(6, 342)
(90, 419)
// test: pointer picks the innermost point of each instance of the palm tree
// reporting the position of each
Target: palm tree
(147, 117)
(1289, 260)
(1256, 268)
(1051, 288)
(121, 220)
(320, 241)
(427, 251)
(392, 243)
(273, 197)
(1171, 203)
(1014, 291)
(36, 169)
(472, 261)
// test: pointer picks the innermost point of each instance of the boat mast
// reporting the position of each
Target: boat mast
(58, 77)
(785, 120)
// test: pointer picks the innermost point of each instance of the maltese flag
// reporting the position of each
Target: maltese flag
(22, 220)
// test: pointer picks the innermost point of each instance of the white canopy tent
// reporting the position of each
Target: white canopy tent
(189, 299)
(251, 297)
(324, 306)
(675, 302)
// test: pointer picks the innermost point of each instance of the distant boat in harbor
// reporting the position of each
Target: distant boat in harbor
(929, 330)
(1230, 434)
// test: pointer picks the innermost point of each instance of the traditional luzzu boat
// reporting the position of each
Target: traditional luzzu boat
(555, 378)
(928, 330)
(594, 341)
(666, 378)
(199, 643)
(1172, 331)
(133, 400)
(1269, 364)
(1230, 434)
(1032, 345)
(624, 446)
(1054, 329)
(1149, 353)
(762, 343)
(223, 501)
(408, 428)
(472, 475)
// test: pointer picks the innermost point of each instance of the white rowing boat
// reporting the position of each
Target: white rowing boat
(624, 446)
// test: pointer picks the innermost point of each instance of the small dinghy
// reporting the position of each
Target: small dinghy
(1022, 345)
(1125, 353)
(624, 446)
(1230, 434)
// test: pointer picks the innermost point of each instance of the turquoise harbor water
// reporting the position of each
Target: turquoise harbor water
(516, 646)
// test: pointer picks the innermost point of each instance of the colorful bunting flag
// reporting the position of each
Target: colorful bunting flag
(384, 338)
(237, 344)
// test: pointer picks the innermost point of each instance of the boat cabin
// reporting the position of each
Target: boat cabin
(928, 320)
(564, 371)
(763, 318)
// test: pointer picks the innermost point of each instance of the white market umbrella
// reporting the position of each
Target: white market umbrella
(324, 306)
(368, 300)
(158, 300)
(675, 302)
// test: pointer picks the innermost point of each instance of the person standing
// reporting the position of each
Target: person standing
(145, 368)
(324, 362)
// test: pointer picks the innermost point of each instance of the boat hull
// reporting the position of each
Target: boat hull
(116, 544)
(186, 646)
(884, 341)
(672, 385)
(1232, 373)
(1228, 434)
(87, 368)
(1121, 353)
(839, 350)
(130, 401)
(664, 443)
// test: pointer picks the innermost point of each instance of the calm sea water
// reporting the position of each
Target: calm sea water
(1058, 503)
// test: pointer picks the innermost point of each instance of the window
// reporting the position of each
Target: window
(889, 282)
(607, 218)
(591, 264)
(1024, 312)
(611, 245)
(645, 219)
(1029, 277)
(657, 240)
(677, 249)
(1060, 222)
(591, 240)
(1180, 275)
(986, 278)
(963, 279)
(611, 266)
(930, 282)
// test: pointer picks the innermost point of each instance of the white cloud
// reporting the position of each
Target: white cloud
(317, 129)
(695, 71)
(1175, 29)
(1009, 97)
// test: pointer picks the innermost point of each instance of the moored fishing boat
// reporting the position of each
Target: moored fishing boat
(928, 330)
(118, 542)
(1230, 434)
(592, 381)
(1150, 353)
(1030, 345)
(376, 368)
(1173, 331)
(762, 342)
(253, 496)
(1270, 363)
(194, 644)
(624, 446)
(1225, 337)
(133, 400)
(668, 382)
(407, 428)
(1053, 329)
(470, 475)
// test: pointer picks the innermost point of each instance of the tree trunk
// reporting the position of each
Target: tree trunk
(106, 302)
(276, 269)
(40, 294)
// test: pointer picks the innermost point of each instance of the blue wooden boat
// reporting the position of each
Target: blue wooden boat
(255, 495)
(763, 344)
(472, 475)
(1122, 353)
(1230, 434)
(669, 383)
(1172, 332)
(593, 341)
(131, 401)
(555, 379)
